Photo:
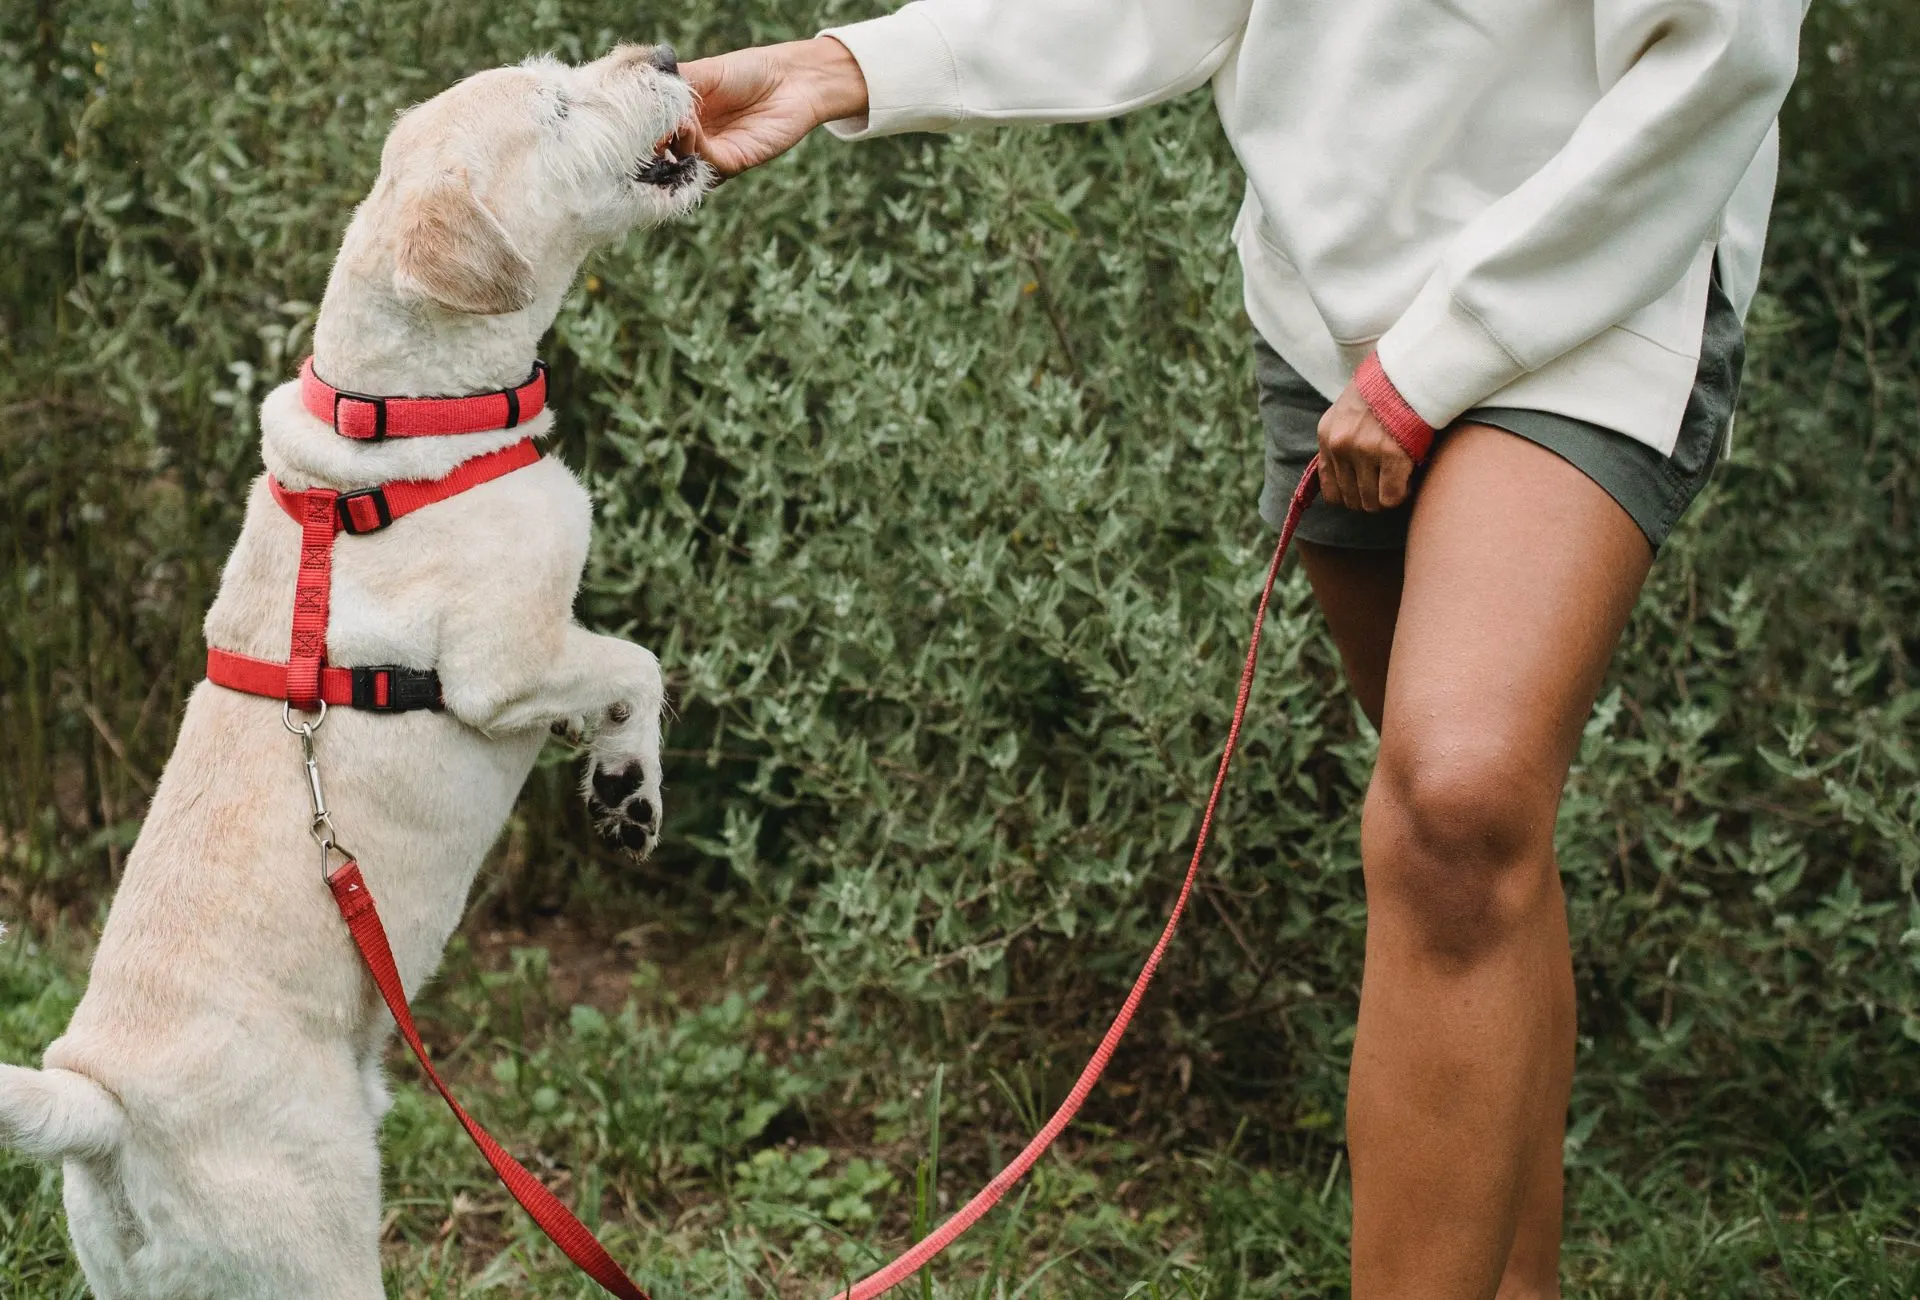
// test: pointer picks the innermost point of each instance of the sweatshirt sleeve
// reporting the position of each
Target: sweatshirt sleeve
(1612, 221)
(940, 64)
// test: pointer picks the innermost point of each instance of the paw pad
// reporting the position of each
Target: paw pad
(622, 811)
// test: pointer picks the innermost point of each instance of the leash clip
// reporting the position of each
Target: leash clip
(320, 825)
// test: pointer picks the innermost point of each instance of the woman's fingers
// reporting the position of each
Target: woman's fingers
(1362, 467)
(1396, 480)
(746, 109)
(753, 105)
(1336, 480)
(1366, 478)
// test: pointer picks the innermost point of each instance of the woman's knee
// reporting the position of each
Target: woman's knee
(1457, 838)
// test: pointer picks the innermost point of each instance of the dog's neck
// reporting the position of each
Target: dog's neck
(370, 340)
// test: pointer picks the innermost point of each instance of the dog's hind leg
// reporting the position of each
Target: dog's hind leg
(105, 1232)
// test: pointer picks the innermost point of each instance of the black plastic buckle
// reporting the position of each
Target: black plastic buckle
(513, 394)
(379, 405)
(408, 689)
(348, 524)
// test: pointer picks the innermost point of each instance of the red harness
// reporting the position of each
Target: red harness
(306, 680)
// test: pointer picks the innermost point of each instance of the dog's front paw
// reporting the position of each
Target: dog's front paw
(623, 793)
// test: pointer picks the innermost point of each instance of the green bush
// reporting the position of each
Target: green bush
(928, 467)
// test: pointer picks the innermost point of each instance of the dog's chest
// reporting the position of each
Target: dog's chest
(382, 606)
(499, 551)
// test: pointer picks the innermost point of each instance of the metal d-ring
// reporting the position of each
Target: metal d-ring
(305, 728)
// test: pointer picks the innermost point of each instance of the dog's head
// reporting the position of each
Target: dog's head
(492, 192)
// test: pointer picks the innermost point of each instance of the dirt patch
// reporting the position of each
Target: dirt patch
(594, 965)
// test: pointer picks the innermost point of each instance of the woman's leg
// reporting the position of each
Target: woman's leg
(1520, 574)
(1359, 593)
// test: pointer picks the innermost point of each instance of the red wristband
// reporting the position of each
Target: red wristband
(1413, 434)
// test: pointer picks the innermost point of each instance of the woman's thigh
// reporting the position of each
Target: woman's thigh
(1516, 563)
(1358, 591)
(1520, 575)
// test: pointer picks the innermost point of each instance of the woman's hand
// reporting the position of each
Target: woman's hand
(756, 104)
(1362, 467)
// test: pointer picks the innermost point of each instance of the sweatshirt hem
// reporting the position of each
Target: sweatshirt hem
(1617, 380)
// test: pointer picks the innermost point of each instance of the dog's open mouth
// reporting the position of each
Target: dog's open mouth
(665, 170)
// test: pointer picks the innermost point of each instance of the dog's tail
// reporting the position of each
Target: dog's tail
(53, 1114)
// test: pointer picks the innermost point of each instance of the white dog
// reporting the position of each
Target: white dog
(217, 1097)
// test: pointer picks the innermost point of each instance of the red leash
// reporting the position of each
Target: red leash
(567, 1232)
(989, 1196)
(558, 1222)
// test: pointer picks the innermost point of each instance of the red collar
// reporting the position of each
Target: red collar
(357, 415)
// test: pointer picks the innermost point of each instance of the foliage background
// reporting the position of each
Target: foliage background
(928, 467)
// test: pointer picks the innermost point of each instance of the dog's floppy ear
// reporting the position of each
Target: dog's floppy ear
(454, 251)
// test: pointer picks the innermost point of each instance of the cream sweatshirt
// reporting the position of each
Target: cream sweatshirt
(1516, 202)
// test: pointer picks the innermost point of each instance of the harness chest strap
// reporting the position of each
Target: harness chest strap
(306, 680)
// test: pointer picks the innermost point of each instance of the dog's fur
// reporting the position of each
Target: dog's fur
(217, 1097)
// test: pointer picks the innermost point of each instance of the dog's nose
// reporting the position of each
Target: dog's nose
(663, 59)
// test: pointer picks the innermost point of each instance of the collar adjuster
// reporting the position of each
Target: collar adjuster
(365, 511)
(379, 405)
(539, 377)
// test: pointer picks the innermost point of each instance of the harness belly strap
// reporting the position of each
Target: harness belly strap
(306, 680)
(385, 688)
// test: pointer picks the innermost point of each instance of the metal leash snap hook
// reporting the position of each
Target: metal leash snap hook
(322, 830)
(320, 824)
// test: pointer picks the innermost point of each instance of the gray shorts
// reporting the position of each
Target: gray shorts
(1654, 489)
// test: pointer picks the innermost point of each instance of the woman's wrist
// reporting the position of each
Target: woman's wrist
(832, 77)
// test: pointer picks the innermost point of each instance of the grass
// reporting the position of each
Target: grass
(714, 1139)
